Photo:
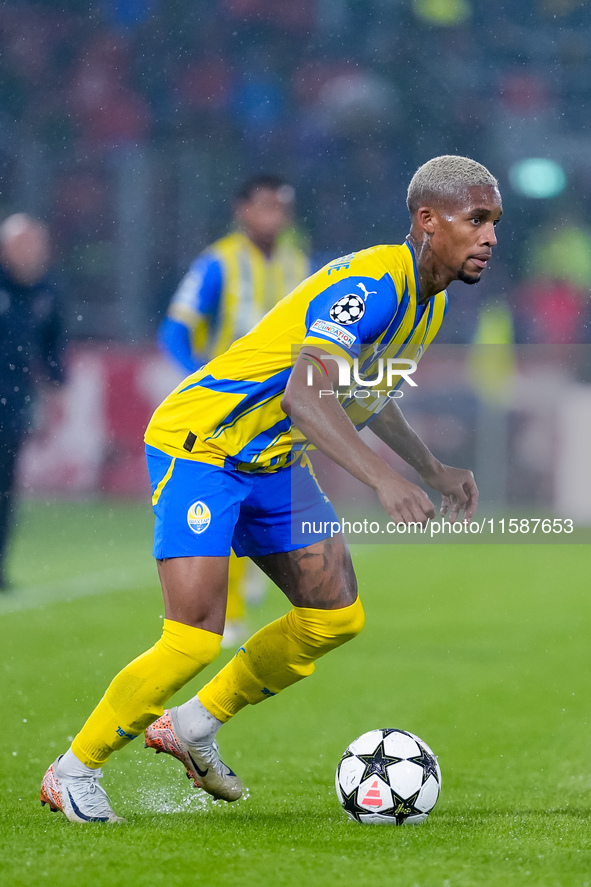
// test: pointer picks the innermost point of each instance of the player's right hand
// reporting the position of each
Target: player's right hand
(404, 501)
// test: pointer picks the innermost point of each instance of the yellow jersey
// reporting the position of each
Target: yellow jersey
(231, 286)
(363, 307)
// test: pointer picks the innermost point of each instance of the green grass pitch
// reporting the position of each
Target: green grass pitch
(481, 650)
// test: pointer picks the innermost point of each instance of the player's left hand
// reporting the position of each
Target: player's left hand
(458, 489)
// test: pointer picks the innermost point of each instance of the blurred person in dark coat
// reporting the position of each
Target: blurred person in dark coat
(31, 344)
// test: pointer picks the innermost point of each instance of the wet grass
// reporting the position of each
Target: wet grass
(482, 650)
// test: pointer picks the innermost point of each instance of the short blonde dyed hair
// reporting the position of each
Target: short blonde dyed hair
(444, 179)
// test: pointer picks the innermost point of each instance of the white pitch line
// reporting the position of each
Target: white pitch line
(112, 580)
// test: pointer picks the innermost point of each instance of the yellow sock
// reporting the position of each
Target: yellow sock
(279, 655)
(136, 696)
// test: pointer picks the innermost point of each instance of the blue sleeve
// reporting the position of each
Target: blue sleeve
(211, 284)
(352, 312)
(199, 291)
(174, 340)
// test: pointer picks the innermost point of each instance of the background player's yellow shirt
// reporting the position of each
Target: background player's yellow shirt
(250, 285)
(364, 305)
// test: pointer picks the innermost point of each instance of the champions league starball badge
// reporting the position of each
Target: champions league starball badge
(348, 310)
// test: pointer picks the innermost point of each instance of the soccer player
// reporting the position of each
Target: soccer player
(226, 471)
(237, 279)
(226, 291)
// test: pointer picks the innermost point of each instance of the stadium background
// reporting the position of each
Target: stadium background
(126, 124)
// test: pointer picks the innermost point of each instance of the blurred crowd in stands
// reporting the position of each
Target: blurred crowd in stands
(172, 103)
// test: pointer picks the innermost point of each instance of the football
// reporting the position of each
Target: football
(388, 777)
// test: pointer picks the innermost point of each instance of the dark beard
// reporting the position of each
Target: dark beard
(467, 278)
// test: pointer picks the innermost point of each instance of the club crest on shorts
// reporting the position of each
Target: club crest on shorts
(198, 517)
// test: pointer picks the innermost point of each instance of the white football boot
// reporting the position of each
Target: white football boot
(80, 798)
(200, 759)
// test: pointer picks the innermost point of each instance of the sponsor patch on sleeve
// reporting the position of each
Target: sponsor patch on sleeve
(333, 331)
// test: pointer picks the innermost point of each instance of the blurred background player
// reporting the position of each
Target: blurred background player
(30, 345)
(227, 290)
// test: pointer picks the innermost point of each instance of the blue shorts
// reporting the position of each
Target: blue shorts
(203, 509)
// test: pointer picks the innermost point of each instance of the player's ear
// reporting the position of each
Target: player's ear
(425, 218)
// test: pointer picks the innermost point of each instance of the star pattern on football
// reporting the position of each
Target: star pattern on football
(402, 808)
(377, 762)
(388, 776)
(427, 762)
(349, 804)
